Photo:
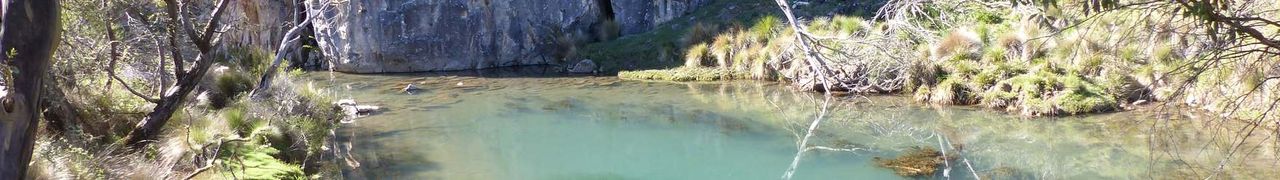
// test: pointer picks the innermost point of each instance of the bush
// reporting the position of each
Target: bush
(988, 17)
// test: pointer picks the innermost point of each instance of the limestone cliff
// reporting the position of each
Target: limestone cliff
(374, 36)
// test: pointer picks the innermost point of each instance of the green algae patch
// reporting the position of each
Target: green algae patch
(685, 74)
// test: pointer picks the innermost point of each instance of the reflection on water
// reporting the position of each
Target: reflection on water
(532, 124)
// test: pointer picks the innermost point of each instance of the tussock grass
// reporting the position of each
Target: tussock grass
(697, 56)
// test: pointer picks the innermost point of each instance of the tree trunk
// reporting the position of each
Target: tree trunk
(171, 102)
(27, 36)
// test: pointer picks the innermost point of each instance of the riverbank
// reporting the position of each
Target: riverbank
(286, 134)
(1027, 60)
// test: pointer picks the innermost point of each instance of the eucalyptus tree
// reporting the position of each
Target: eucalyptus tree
(28, 30)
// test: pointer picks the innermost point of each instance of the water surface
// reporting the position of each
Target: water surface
(529, 123)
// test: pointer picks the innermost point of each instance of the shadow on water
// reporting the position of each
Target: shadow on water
(380, 164)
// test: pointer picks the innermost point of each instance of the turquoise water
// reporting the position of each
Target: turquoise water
(527, 124)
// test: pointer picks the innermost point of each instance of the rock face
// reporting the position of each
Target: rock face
(375, 36)
(638, 16)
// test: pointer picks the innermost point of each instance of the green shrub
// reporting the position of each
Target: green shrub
(988, 17)
(253, 61)
(1250, 79)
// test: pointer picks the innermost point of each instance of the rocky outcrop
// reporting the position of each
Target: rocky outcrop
(375, 36)
(638, 16)
(583, 67)
(262, 24)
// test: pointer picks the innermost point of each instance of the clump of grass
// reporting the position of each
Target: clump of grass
(950, 91)
(996, 54)
(241, 121)
(255, 160)
(722, 50)
(227, 87)
(1079, 95)
(961, 43)
(742, 58)
(849, 25)
(763, 29)
(696, 56)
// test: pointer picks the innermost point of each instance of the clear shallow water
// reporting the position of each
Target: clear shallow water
(527, 124)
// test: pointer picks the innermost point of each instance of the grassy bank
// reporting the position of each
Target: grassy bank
(221, 134)
(1029, 60)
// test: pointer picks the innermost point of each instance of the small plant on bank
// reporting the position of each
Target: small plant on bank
(696, 56)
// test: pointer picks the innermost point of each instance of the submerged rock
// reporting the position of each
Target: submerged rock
(354, 110)
(917, 162)
(583, 67)
(411, 89)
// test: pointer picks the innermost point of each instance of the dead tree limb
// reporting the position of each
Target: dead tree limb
(290, 41)
(819, 71)
(149, 127)
(114, 56)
